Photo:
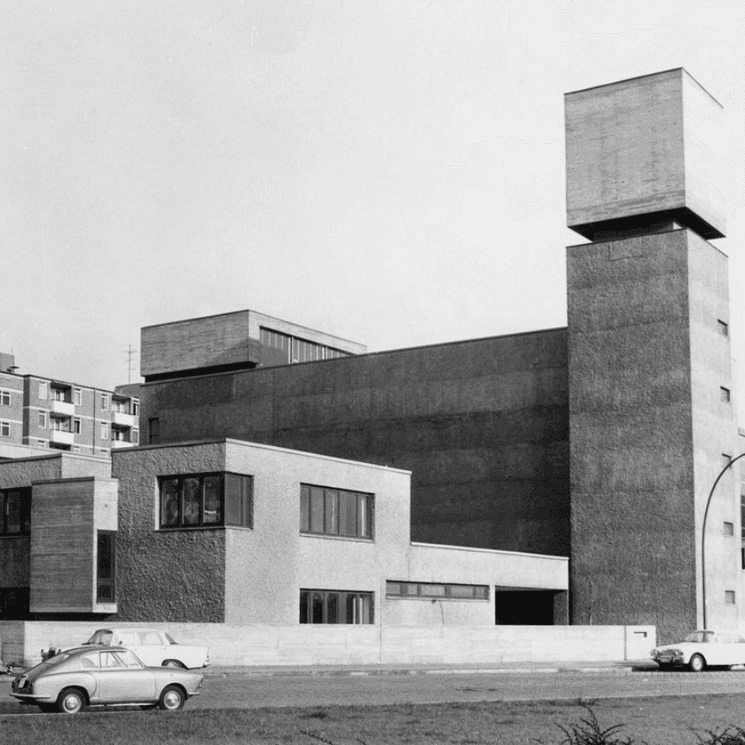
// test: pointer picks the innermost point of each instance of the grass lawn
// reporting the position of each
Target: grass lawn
(656, 721)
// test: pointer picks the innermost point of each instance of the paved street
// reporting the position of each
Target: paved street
(252, 690)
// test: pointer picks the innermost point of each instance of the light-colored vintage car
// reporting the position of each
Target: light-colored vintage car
(702, 649)
(153, 647)
(70, 681)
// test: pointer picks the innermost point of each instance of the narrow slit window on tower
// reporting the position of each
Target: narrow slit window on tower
(729, 529)
(729, 597)
(724, 394)
(723, 327)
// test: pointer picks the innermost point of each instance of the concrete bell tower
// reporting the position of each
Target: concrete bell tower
(651, 397)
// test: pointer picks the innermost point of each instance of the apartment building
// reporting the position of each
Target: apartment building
(41, 412)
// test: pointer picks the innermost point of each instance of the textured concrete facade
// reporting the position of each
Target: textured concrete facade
(479, 423)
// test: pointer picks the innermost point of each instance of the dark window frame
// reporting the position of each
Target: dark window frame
(106, 573)
(235, 495)
(325, 511)
(336, 607)
(24, 511)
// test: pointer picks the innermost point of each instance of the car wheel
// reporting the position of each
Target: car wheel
(696, 663)
(174, 663)
(172, 698)
(71, 701)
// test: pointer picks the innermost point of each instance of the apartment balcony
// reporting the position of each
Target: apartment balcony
(62, 408)
(120, 419)
(121, 444)
(60, 437)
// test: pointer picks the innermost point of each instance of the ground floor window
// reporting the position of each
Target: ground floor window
(336, 606)
(438, 590)
(14, 603)
(106, 567)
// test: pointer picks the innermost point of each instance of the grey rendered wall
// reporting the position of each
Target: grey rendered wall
(482, 425)
(174, 576)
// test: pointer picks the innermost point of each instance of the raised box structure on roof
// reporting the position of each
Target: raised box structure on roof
(233, 341)
(640, 155)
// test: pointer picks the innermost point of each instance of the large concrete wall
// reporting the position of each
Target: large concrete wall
(357, 645)
(647, 428)
(482, 425)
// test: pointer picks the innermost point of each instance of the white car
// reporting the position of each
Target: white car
(155, 648)
(702, 649)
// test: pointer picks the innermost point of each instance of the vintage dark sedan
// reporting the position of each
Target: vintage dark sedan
(76, 678)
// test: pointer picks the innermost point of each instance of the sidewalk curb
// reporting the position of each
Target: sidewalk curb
(310, 671)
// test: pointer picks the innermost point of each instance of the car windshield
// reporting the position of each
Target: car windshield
(101, 637)
(700, 637)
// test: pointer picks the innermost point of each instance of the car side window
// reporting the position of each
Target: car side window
(112, 659)
(90, 661)
(130, 660)
(149, 638)
(126, 638)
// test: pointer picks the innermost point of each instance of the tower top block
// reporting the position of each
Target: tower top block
(642, 154)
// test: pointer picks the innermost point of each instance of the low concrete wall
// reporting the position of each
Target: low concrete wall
(358, 645)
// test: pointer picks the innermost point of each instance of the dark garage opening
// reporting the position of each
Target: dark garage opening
(528, 607)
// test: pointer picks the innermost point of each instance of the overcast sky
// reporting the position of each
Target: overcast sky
(389, 172)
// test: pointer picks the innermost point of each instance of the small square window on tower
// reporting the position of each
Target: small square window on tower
(723, 327)
(729, 597)
(729, 529)
(724, 394)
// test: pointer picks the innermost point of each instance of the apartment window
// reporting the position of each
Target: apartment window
(135, 407)
(4, 429)
(153, 431)
(102, 451)
(724, 394)
(729, 597)
(336, 606)
(42, 390)
(76, 449)
(135, 436)
(205, 500)
(42, 420)
(105, 401)
(326, 511)
(105, 566)
(41, 443)
(104, 430)
(78, 397)
(60, 394)
(77, 426)
(15, 511)
(436, 590)
(4, 398)
(729, 529)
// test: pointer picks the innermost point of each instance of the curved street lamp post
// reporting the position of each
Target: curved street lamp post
(703, 531)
